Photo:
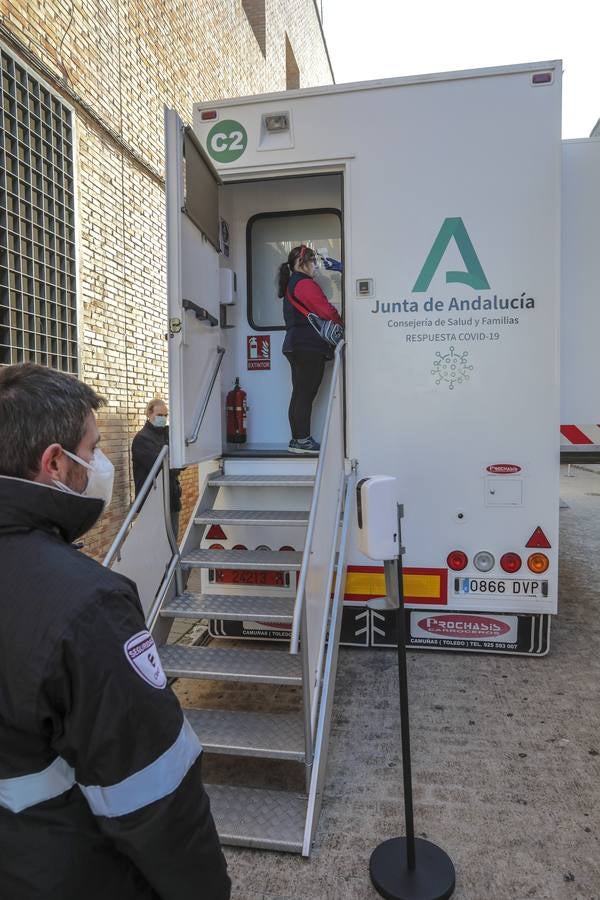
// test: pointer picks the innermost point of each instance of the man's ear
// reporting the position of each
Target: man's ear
(52, 465)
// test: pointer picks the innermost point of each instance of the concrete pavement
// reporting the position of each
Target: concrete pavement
(506, 756)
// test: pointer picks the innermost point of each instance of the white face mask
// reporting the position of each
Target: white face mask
(100, 478)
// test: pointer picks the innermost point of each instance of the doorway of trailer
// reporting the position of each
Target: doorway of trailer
(261, 221)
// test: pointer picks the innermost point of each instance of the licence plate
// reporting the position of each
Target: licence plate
(507, 587)
(250, 577)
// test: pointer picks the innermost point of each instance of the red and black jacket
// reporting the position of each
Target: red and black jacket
(309, 296)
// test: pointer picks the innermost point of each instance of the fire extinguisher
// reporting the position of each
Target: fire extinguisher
(237, 409)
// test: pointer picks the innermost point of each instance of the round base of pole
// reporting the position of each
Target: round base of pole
(432, 878)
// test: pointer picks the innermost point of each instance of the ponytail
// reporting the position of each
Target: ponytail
(285, 270)
(283, 279)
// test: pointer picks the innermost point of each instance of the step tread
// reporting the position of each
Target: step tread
(273, 666)
(257, 734)
(255, 516)
(262, 481)
(283, 560)
(229, 607)
(249, 817)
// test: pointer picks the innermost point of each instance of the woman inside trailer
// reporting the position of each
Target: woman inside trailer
(304, 347)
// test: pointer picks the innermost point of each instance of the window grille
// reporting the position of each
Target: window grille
(38, 290)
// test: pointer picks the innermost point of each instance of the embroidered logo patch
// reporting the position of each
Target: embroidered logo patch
(141, 652)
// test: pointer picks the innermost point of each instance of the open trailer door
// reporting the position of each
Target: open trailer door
(195, 354)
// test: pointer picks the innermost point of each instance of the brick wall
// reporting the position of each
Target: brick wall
(125, 59)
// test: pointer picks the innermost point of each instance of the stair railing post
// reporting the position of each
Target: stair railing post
(315, 796)
(301, 592)
(306, 704)
(166, 474)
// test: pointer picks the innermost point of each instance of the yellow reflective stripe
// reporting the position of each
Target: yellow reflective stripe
(422, 585)
(365, 583)
(415, 585)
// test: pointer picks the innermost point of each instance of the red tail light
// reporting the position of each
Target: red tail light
(457, 560)
(511, 562)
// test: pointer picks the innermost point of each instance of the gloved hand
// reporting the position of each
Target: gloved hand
(333, 265)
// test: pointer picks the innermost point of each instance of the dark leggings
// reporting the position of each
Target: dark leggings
(307, 373)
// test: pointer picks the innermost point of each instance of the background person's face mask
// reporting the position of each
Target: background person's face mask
(159, 421)
(101, 474)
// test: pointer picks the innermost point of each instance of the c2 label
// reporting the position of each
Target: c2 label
(226, 141)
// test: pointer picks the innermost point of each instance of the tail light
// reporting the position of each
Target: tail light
(484, 561)
(538, 563)
(457, 560)
(511, 562)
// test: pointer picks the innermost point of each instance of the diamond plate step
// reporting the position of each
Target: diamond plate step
(265, 735)
(252, 517)
(282, 561)
(223, 664)
(231, 608)
(262, 481)
(248, 817)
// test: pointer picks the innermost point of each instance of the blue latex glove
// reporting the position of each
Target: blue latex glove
(332, 265)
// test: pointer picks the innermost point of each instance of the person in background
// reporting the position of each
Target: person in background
(304, 348)
(101, 794)
(146, 446)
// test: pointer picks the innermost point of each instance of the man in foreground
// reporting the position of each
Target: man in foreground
(100, 787)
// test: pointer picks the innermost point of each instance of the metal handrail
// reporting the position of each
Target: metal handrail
(333, 577)
(160, 594)
(315, 791)
(201, 314)
(297, 620)
(135, 508)
(191, 439)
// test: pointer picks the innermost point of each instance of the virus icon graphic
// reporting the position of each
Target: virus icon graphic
(451, 367)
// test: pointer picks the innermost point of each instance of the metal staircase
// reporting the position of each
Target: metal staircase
(253, 817)
(301, 503)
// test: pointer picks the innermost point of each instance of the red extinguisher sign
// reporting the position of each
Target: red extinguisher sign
(259, 351)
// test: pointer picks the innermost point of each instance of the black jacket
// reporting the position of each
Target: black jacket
(100, 788)
(146, 446)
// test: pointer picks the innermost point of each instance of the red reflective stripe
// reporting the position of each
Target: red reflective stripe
(574, 435)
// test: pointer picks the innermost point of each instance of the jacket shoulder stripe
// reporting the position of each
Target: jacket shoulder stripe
(155, 781)
(24, 791)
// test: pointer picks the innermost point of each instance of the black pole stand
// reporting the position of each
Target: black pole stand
(407, 868)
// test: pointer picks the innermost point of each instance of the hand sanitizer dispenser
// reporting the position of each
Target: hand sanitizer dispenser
(377, 511)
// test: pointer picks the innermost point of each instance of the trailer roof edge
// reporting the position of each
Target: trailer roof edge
(377, 84)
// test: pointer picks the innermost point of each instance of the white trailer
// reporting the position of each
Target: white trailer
(580, 301)
(442, 195)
